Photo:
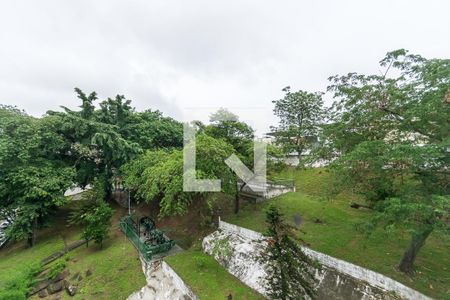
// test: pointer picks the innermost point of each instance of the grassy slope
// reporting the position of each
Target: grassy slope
(337, 236)
(207, 278)
(116, 269)
(14, 260)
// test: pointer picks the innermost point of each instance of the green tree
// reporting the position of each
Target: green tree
(41, 158)
(390, 137)
(95, 148)
(149, 129)
(226, 125)
(90, 199)
(87, 103)
(290, 272)
(100, 141)
(93, 213)
(97, 223)
(300, 114)
(33, 173)
(158, 175)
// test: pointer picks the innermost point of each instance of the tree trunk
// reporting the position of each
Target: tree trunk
(236, 197)
(236, 202)
(32, 235)
(409, 256)
(66, 244)
(299, 156)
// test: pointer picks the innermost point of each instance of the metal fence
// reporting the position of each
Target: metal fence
(147, 251)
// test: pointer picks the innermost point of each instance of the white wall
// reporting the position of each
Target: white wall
(163, 283)
(373, 278)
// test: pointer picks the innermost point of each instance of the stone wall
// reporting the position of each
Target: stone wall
(121, 197)
(261, 192)
(338, 279)
(163, 283)
(277, 190)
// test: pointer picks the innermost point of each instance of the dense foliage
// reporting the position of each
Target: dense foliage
(33, 172)
(158, 175)
(93, 213)
(18, 286)
(97, 223)
(40, 158)
(390, 137)
(226, 126)
(101, 140)
(300, 114)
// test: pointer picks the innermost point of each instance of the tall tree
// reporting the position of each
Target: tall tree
(87, 103)
(152, 130)
(300, 115)
(97, 222)
(290, 272)
(158, 175)
(102, 140)
(390, 135)
(96, 148)
(33, 173)
(227, 126)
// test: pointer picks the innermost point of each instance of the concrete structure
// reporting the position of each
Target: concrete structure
(76, 192)
(337, 279)
(265, 191)
(163, 283)
(3, 226)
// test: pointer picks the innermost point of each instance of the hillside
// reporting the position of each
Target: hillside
(328, 225)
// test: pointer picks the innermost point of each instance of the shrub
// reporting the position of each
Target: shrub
(201, 262)
(16, 288)
(97, 223)
(56, 268)
(12, 295)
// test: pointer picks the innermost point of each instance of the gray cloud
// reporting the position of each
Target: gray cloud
(188, 57)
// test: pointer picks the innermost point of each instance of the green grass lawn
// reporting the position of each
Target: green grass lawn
(328, 225)
(16, 259)
(116, 269)
(207, 278)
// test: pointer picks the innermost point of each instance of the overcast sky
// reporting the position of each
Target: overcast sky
(188, 58)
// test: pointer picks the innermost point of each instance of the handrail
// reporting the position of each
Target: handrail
(129, 231)
(147, 251)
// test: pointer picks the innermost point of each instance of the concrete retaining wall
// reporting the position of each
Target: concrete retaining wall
(269, 190)
(177, 281)
(163, 283)
(277, 190)
(372, 278)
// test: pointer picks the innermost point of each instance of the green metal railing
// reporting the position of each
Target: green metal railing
(147, 251)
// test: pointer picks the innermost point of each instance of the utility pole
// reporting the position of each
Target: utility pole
(129, 203)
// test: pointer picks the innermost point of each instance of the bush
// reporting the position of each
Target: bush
(94, 214)
(16, 288)
(97, 223)
(56, 268)
(201, 262)
(12, 295)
